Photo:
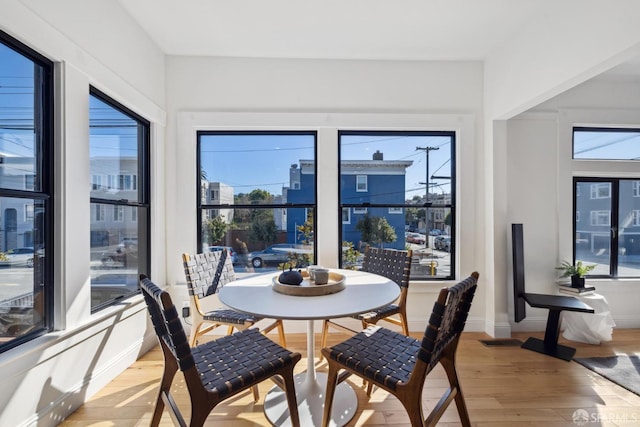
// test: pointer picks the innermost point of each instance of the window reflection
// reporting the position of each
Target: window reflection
(397, 192)
(119, 248)
(25, 140)
(257, 197)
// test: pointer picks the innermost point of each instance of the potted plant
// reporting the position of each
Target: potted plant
(576, 272)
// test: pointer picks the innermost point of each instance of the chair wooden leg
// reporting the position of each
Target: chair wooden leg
(292, 401)
(193, 339)
(170, 369)
(283, 339)
(405, 326)
(366, 383)
(413, 407)
(199, 415)
(332, 379)
(369, 388)
(450, 368)
(323, 337)
(281, 336)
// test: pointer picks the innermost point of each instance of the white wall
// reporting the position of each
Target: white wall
(47, 378)
(205, 93)
(558, 50)
(539, 175)
(568, 45)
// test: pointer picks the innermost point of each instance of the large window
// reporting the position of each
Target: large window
(26, 184)
(398, 189)
(119, 156)
(611, 237)
(257, 197)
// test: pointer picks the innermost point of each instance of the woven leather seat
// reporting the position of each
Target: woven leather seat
(400, 364)
(206, 274)
(215, 370)
(394, 265)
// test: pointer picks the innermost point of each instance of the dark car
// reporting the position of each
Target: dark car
(277, 254)
(123, 256)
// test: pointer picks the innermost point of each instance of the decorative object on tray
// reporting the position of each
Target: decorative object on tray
(335, 283)
(576, 272)
(321, 276)
(291, 277)
(311, 271)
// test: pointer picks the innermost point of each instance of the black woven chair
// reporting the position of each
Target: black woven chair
(215, 370)
(400, 364)
(206, 274)
(394, 265)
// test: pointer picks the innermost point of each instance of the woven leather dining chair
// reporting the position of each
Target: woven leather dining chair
(206, 274)
(394, 265)
(216, 370)
(400, 364)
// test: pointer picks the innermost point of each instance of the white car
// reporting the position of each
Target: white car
(19, 257)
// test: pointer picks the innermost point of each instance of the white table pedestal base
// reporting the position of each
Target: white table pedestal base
(255, 295)
(310, 395)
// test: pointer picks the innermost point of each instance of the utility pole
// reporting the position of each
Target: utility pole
(426, 183)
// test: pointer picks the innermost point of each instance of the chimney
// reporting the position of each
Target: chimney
(378, 155)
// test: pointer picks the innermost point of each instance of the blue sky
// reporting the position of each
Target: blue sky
(607, 145)
(246, 162)
(16, 104)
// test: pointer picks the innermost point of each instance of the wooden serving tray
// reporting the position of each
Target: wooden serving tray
(310, 289)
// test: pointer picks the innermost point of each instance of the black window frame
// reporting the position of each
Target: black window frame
(143, 189)
(599, 129)
(614, 226)
(44, 113)
(451, 205)
(200, 206)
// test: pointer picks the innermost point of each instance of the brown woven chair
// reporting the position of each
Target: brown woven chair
(215, 370)
(400, 364)
(206, 274)
(394, 265)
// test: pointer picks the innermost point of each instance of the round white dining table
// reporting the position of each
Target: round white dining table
(255, 295)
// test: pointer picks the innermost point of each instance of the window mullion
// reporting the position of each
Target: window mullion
(615, 225)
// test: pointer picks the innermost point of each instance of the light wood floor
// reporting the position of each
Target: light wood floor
(503, 387)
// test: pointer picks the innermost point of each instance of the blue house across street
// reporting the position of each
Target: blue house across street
(376, 182)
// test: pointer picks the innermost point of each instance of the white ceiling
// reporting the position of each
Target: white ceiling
(340, 29)
(345, 29)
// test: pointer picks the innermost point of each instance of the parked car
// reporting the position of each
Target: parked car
(442, 243)
(416, 238)
(109, 286)
(18, 257)
(435, 232)
(129, 243)
(230, 251)
(277, 254)
(124, 255)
